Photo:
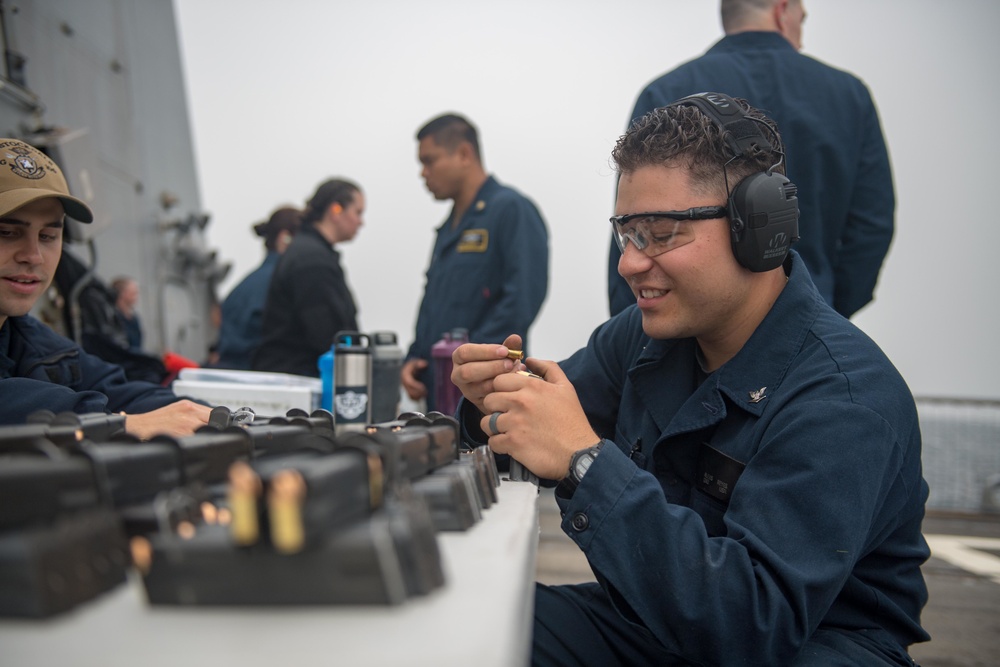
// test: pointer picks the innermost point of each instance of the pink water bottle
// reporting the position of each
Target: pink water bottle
(445, 395)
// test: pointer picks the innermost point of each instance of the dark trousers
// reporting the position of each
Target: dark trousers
(577, 626)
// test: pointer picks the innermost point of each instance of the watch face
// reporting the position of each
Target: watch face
(583, 464)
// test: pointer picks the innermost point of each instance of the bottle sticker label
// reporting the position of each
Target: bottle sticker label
(350, 404)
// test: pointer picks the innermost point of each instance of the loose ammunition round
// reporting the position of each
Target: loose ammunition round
(516, 355)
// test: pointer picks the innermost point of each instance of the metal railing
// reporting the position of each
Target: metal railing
(961, 453)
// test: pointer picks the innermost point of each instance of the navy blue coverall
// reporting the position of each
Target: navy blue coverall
(489, 275)
(39, 369)
(243, 316)
(767, 514)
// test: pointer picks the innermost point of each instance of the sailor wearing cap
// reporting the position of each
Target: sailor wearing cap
(40, 369)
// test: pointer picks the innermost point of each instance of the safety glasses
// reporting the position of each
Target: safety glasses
(661, 231)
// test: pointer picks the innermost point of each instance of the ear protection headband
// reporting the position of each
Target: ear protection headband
(763, 207)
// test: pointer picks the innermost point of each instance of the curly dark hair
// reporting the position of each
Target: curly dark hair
(681, 135)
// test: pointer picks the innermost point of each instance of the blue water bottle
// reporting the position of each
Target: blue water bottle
(325, 364)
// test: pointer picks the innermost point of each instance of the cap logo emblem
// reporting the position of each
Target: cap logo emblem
(24, 165)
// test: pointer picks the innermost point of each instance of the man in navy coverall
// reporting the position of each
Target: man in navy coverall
(489, 270)
(836, 152)
(39, 369)
(739, 463)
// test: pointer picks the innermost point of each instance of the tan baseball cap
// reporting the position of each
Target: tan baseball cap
(27, 174)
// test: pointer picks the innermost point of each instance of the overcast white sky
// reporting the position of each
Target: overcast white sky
(284, 95)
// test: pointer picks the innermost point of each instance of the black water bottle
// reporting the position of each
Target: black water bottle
(387, 362)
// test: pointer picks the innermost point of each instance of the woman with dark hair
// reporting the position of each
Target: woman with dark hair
(309, 300)
(243, 309)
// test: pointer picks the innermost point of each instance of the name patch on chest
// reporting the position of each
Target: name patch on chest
(717, 473)
(474, 240)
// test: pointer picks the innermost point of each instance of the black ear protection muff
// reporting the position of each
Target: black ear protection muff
(763, 207)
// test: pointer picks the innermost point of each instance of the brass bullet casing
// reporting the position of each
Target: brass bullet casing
(245, 489)
(286, 494)
(516, 355)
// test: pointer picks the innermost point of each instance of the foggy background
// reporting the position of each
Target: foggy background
(285, 95)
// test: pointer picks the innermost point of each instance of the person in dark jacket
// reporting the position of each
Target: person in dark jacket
(243, 310)
(309, 300)
(39, 369)
(489, 270)
(739, 463)
(836, 152)
(126, 291)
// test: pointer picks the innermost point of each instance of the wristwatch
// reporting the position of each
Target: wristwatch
(579, 464)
